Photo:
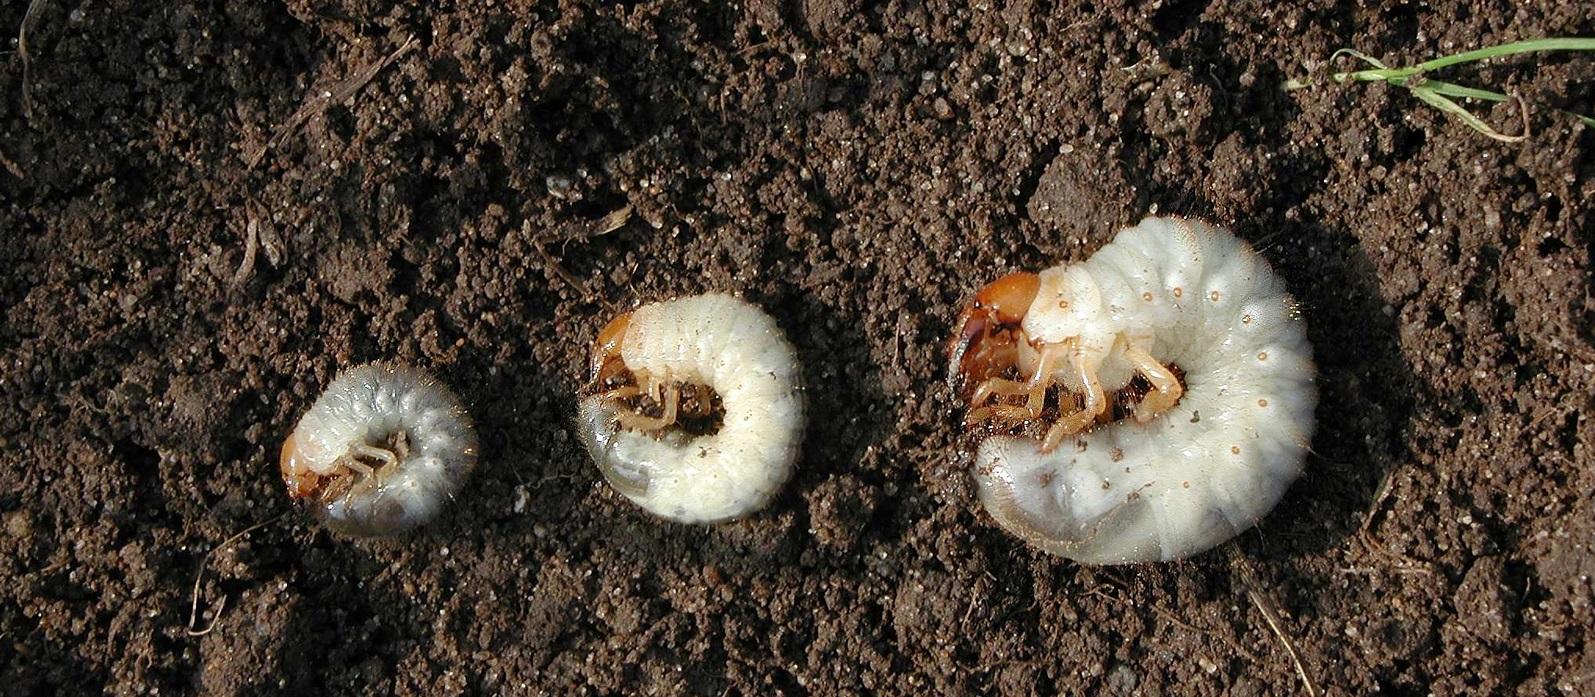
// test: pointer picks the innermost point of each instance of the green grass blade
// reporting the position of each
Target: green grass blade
(1439, 94)
(1444, 104)
(1381, 75)
(1388, 74)
(1361, 75)
(1509, 49)
(1453, 90)
(1359, 55)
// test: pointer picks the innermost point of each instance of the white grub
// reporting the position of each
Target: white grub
(669, 356)
(1139, 464)
(380, 451)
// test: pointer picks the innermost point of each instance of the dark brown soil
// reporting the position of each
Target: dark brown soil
(206, 210)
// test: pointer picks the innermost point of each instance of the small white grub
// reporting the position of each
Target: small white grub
(1186, 385)
(380, 451)
(724, 385)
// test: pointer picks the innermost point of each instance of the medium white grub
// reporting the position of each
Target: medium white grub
(381, 451)
(1186, 400)
(676, 359)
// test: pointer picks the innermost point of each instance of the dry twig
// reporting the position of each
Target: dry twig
(193, 607)
(557, 268)
(337, 94)
(247, 266)
(612, 221)
(11, 166)
(29, 18)
(1168, 616)
(1248, 579)
(1272, 618)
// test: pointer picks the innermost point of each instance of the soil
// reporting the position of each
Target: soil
(207, 208)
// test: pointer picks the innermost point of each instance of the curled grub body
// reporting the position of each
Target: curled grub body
(708, 358)
(380, 451)
(1184, 386)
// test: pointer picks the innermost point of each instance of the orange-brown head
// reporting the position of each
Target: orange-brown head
(984, 343)
(605, 360)
(301, 480)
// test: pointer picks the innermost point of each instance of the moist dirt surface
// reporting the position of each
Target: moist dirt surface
(208, 208)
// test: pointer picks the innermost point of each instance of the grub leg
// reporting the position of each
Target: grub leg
(1095, 404)
(1167, 388)
(368, 477)
(372, 452)
(622, 392)
(1002, 387)
(363, 469)
(638, 422)
(1034, 389)
(999, 387)
(1007, 413)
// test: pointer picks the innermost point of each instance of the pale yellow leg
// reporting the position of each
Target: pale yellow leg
(362, 468)
(1034, 389)
(368, 474)
(622, 392)
(1011, 413)
(383, 455)
(638, 422)
(1167, 388)
(1095, 404)
(1001, 387)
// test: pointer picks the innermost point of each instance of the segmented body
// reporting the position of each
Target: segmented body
(732, 347)
(1195, 297)
(380, 451)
